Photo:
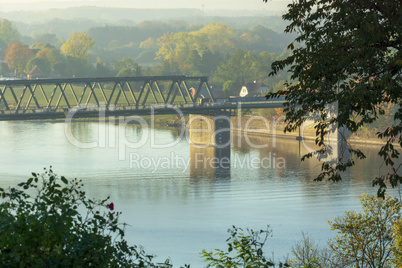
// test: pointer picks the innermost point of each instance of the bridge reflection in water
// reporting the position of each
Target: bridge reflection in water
(210, 146)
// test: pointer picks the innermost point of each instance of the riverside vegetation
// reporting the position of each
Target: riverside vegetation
(48, 221)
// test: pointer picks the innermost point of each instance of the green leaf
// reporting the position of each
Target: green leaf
(64, 180)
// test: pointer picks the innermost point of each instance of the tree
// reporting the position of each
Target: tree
(17, 56)
(196, 52)
(46, 38)
(75, 67)
(370, 238)
(41, 61)
(308, 253)
(229, 89)
(244, 250)
(78, 46)
(8, 33)
(346, 52)
(125, 67)
(54, 56)
(366, 239)
(48, 221)
(237, 68)
(398, 243)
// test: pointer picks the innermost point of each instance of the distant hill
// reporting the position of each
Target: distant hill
(99, 14)
(211, 7)
(125, 16)
(80, 19)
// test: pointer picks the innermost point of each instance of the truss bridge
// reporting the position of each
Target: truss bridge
(115, 96)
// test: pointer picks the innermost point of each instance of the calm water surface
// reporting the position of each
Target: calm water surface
(176, 209)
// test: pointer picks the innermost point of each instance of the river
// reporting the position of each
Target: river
(175, 209)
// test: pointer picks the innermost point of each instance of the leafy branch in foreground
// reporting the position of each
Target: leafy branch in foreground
(244, 250)
(346, 52)
(48, 221)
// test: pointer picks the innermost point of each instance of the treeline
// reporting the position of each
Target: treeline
(230, 57)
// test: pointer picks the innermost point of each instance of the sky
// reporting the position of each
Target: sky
(12, 5)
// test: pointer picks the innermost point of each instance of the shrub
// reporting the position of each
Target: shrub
(366, 238)
(244, 250)
(49, 222)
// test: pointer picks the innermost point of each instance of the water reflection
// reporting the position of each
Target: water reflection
(178, 211)
(209, 162)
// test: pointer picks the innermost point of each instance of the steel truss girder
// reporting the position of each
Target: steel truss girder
(37, 94)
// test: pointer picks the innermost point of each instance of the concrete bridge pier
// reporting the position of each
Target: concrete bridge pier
(210, 145)
(337, 142)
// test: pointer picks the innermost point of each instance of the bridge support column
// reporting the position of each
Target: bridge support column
(210, 145)
(336, 140)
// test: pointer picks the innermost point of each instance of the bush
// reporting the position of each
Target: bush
(366, 238)
(244, 250)
(49, 222)
(308, 253)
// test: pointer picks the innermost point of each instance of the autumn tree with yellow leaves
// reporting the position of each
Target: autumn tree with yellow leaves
(78, 46)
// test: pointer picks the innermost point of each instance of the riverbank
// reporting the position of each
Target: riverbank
(252, 125)
(262, 127)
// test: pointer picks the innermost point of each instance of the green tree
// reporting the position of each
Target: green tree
(54, 56)
(238, 68)
(42, 62)
(244, 250)
(127, 72)
(366, 239)
(101, 70)
(8, 33)
(229, 89)
(210, 62)
(49, 222)
(125, 67)
(78, 46)
(75, 67)
(46, 38)
(346, 52)
(195, 52)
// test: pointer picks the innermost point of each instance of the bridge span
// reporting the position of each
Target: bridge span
(116, 96)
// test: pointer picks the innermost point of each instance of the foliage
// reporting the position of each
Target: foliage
(42, 62)
(349, 53)
(398, 243)
(238, 68)
(78, 46)
(8, 34)
(49, 222)
(230, 89)
(307, 253)
(75, 67)
(46, 38)
(244, 250)
(17, 56)
(243, 67)
(366, 238)
(53, 55)
(125, 67)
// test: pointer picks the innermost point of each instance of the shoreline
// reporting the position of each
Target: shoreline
(294, 135)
